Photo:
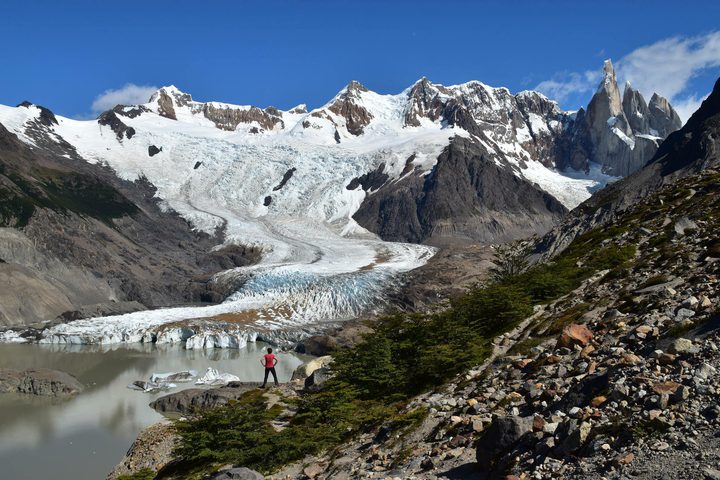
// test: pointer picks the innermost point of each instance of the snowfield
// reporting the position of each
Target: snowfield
(318, 264)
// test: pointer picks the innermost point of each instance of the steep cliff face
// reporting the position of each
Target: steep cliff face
(466, 197)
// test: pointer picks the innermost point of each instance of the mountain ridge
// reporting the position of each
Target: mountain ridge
(433, 164)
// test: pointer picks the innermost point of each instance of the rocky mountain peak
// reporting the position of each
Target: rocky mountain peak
(423, 85)
(608, 94)
(180, 98)
(624, 134)
(301, 108)
(422, 102)
(663, 118)
(169, 97)
(46, 116)
(355, 87)
(609, 77)
(635, 109)
(345, 104)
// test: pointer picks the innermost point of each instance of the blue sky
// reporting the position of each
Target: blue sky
(67, 55)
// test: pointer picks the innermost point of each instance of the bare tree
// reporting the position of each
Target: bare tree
(510, 260)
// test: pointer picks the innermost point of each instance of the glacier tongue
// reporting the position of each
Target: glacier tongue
(273, 305)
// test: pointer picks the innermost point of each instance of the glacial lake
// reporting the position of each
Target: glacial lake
(86, 436)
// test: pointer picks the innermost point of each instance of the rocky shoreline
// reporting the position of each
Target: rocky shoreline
(151, 450)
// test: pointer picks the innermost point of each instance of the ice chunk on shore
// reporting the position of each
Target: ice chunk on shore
(170, 377)
(148, 387)
(11, 336)
(213, 377)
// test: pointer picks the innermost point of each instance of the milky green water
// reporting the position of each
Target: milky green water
(85, 437)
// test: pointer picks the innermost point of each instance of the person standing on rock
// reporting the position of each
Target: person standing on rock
(269, 361)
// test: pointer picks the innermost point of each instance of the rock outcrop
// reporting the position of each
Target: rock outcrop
(237, 473)
(39, 381)
(306, 369)
(110, 118)
(193, 399)
(224, 116)
(152, 449)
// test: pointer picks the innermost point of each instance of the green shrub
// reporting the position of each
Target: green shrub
(544, 284)
(238, 432)
(144, 474)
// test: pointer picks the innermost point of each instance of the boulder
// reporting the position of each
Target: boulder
(317, 379)
(193, 399)
(584, 391)
(573, 435)
(665, 388)
(500, 436)
(306, 369)
(574, 334)
(711, 473)
(683, 224)
(683, 345)
(684, 313)
(705, 371)
(313, 470)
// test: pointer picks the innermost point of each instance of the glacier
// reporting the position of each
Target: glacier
(318, 265)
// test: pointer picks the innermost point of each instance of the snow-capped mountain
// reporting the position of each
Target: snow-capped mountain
(313, 190)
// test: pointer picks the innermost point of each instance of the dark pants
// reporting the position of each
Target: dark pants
(270, 370)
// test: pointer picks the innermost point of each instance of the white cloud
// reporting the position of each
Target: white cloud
(665, 67)
(129, 94)
(564, 85)
(686, 106)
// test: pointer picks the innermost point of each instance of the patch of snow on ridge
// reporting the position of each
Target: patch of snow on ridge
(14, 119)
(629, 141)
(570, 187)
(537, 123)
